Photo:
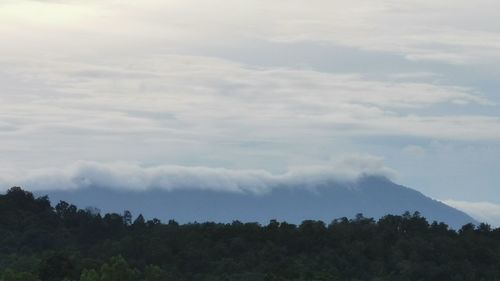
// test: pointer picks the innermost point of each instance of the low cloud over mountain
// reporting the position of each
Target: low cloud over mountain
(121, 176)
(351, 186)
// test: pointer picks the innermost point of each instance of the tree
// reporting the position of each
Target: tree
(127, 218)
(139, 221)
(41, 243)
(10, 275)
(57, 267)
(117, 270)
(155, 273)
(89, 275)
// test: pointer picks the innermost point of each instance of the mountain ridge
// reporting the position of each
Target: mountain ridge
(373, 196)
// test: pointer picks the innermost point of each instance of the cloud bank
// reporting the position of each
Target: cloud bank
(481, 211)
(138, 178)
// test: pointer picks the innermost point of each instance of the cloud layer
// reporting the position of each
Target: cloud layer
(209, 97)
(259, 85)
(138, 178)
(482, 211)
(456, 32)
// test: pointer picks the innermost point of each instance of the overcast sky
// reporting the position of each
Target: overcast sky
(407, 89)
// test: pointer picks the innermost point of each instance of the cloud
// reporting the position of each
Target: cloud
(192, 90)
(243, 84)
(195, 110)
(482, 211)
(455, 32)
(128, 176)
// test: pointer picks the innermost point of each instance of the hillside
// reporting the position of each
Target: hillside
(373, 196)
(42, 243)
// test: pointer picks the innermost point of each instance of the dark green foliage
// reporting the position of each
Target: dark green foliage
(10, 275)
(155, 273)
(117, 270)
(42, 243)
(57, 267)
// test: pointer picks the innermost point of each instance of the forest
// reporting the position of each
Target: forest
(44, 242)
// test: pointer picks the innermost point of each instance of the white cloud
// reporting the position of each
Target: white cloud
(215, 98)
(455, 32)
(169, 177)
(192, 110)
(482, 211)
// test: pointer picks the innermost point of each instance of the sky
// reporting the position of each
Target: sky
(247, 90)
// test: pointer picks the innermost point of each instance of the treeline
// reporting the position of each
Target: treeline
(39, 242)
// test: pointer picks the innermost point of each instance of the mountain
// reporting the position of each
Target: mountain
(370, 195)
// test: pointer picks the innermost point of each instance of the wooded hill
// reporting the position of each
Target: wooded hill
(45, 243)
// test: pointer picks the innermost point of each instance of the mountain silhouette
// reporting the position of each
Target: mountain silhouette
(372, 196)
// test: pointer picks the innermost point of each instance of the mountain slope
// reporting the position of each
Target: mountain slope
(371, 196)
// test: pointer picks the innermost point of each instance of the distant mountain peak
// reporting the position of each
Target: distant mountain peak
(372, 195)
